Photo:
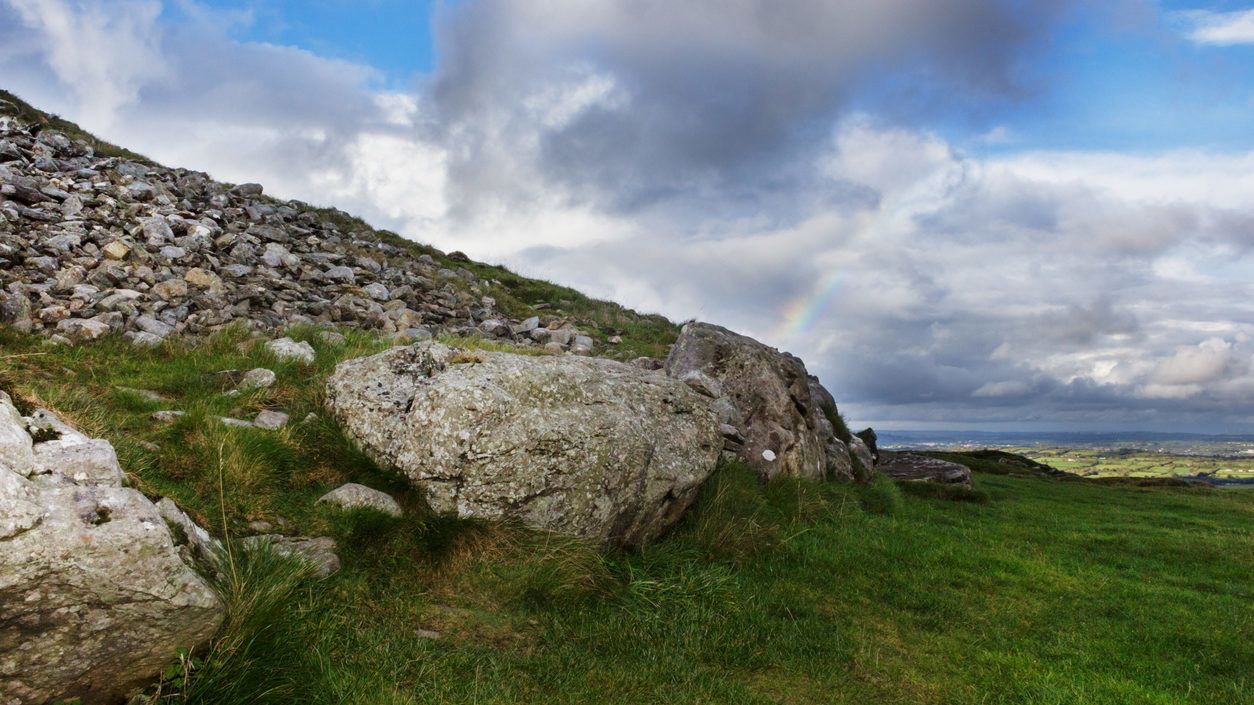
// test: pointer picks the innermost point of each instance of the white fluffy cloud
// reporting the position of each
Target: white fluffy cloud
(705, 164)
(1220, 28)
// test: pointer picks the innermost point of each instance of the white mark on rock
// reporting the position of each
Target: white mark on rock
(768, 455)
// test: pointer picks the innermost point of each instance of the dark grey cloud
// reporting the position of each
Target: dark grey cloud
(665, 101)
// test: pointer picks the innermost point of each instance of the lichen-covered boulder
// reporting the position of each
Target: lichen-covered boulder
(94, 598)
(922, 468)
(583, 446)
(786, 429)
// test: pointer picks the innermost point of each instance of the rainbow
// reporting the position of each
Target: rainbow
(801, 313)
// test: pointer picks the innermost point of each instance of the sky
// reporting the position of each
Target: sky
(963, 214)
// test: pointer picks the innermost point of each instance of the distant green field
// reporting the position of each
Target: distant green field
(1139, 463)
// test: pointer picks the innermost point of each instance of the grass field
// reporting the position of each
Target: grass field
(1094, 462)
(1043, 591)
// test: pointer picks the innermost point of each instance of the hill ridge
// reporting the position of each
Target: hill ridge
(95, 239)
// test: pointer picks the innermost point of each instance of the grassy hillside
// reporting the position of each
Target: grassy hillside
(1042, 591)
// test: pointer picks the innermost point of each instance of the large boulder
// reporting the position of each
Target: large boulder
(94, 598)
(785, 424)
(922, 468)
(584, 446)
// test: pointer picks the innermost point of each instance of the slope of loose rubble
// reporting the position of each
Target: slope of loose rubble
(96, 240)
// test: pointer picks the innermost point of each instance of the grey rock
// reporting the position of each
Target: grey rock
(786, 431)
(80, 329)
(921, 468)
(93, 593)
(257, 378)
(355, 496)
(584, 446)
(318, 553)
(376, 291)
(148, 324)
(341, 274)
(271, 420)
(288, 349)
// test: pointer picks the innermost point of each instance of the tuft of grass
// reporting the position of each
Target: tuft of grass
(838, 422)
(258, 656)
(953, 493)
(882, 496)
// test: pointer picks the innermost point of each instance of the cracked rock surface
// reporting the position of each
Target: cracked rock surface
(94, 598)
(583, 446)
(777, 405)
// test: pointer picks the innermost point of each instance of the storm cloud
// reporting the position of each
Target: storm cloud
(774, 167)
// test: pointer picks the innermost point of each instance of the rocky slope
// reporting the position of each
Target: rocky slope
(95, 240)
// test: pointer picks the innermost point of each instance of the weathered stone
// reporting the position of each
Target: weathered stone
(171, 289)
(166, 415)
(355, 496)
(83, 328)
(116, 250)
(343, 275)
(94, 597)
(583, 446)
(148, 324)
(921, 468)
(771, 391)
(257, 378)
(288, 349)
(318, 553)
(271, 420)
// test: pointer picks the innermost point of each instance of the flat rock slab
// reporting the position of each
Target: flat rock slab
(922, 468)
(355, 496)
(588, 447)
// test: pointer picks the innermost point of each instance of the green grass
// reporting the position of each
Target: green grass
(1028, 589)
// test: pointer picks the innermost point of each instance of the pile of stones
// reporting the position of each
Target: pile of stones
(91, 245)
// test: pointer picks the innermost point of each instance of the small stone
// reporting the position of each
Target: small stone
(343, 275)
(331, 337)
(166, 416)
(201, 278)
(271, 420)
(148, 324)
(83, 328)
(234, 422)
(257, 378)
(768, 455)
(116, 250)
(354, 496)
(376, 291)
(143, 339)
(170, 289)
(427, 634)
(318, 552)
(288, 349)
